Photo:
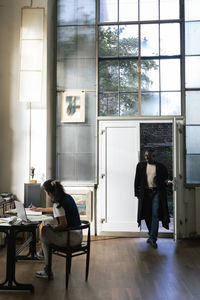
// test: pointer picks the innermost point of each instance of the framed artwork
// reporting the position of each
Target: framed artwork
(83, 202)
(73, 106)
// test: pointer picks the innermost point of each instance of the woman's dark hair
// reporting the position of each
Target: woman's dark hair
(56, 189)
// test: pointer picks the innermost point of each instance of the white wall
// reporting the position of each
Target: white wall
(15, 116)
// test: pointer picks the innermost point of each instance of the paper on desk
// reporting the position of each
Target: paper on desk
(30, 212)
(9, 220)
(6, 220)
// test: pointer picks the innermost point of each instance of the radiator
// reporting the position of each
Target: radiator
(197, 209)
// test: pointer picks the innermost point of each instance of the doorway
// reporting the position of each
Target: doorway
(121, 146)
(159, 136)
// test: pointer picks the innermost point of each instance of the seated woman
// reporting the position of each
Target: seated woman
(65, 210)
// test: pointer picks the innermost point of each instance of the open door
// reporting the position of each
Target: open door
(118, 157)
(177, 170)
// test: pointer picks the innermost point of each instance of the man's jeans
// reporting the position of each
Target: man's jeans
(152, 221)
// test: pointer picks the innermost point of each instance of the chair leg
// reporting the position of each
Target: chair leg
(87, 264)
(49, 263)
(68, 268)
(70, 263)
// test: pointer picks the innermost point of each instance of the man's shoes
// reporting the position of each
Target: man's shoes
(152, 243)
(43, 274)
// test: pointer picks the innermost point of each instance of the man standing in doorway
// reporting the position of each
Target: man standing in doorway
(151, 180)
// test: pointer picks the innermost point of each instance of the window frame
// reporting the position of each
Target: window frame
(139, 58)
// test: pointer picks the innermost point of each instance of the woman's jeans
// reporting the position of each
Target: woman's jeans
(152, 219)
(58, 238)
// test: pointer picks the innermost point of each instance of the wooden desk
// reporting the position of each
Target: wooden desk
(10, 282)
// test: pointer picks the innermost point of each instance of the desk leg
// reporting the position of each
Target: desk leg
(31, 241)
(12, 284)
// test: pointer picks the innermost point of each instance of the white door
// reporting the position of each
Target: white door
(118, 157)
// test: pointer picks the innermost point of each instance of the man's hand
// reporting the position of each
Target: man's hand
(168, 182)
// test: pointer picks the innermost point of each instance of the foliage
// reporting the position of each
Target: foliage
(120, 74)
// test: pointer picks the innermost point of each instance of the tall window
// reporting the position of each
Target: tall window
(76, 70)
(139, 58)
(148, 65)
(149, 62)
(192, 85)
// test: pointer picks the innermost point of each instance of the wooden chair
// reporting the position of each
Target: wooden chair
(71, 251)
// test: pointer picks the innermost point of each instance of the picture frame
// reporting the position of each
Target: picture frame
(73, 106)
(83, 200)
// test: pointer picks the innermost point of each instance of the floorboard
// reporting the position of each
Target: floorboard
(120, 269)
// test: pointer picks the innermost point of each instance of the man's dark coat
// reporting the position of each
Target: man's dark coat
(144, 207)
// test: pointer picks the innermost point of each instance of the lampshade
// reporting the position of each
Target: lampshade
(31, 54)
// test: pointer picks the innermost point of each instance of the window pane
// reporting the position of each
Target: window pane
(148, 9)
(73, 12)
(63, 144)
(192, 41)
(193, 169)
(85, 164)
(192, 9)
(108, 11)
(150, 104)
(108, 76)
(169, 9)
(108, 104)
(128, 40)
(193, 107)
(76, 42)
(171, 104)
(170, 74)
(169, 35)
(150, 75)
(68, 160)
(128, 75)
(193, 140)
(192, 67)
(128, 10)
(84, 143)
(108, 40)
(68, 69)
(128, 104)
(149, 39)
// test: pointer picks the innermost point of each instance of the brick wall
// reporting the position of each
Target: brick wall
(159, 137)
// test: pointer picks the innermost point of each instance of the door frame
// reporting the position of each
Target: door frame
(175, 167)
(177, 136)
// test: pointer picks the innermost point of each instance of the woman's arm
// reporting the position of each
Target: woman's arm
(62, 224)
(48, 210)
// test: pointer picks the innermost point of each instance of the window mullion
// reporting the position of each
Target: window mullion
(139, 72)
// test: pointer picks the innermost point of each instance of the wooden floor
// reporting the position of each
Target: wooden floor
(120, 269)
